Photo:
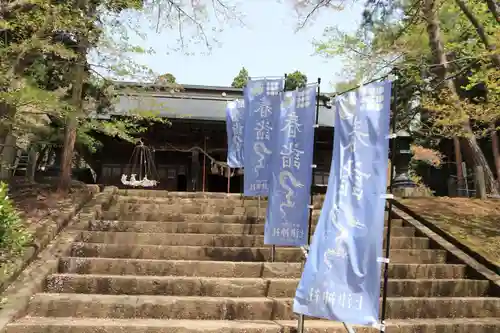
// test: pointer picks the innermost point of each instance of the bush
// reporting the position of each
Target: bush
(13, 234)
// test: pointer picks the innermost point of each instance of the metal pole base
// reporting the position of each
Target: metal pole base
(300, 326)
(349, 328)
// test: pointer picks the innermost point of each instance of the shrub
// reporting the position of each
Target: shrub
(13, 234)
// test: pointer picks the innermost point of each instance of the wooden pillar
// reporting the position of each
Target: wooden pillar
(195, 170)
(204, 168)
(389, 167)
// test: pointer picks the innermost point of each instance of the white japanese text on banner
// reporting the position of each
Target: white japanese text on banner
(341, 278)
(287, 217)
(263, 100)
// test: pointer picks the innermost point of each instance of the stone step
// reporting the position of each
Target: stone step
(101, 325)
(236, 202)
(180, 227)
(241, 287)
(195, 207)
(173, 194)
(149, 194)
(230, 253)
(206, 218)
(179, 217)
(192, 208)
(202, 228)
(229, 269)
(251, 308)
(176, 212)
(223, 240)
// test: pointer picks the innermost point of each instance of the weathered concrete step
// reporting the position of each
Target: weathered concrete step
(228, 308)
(202, 228)
(207, 218)
(95, 325)
(223, 240)
(228, 269)
(230, 253)
(241, 287)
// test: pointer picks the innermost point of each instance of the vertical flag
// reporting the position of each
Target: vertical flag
(287, 212)
(235, 122)
(341, 278)
(263, 102)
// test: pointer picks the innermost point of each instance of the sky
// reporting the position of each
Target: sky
(267, 45)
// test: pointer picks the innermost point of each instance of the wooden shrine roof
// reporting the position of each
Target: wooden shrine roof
(187, 102)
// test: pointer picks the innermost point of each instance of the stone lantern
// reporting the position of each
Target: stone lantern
(402, 184)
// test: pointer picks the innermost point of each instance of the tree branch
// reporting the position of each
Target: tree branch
(316, 6)
(495, 58)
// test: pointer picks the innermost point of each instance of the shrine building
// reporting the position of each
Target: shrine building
(197, 118)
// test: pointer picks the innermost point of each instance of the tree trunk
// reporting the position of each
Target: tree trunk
(436, 46)
(31, 167)
(493, 7)
(496, 150)
(71, 123)
(475, 156)
(458, 161)
(495, 59)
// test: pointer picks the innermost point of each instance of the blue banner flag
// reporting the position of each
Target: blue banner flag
(263, 101)
(341, 277)
(287, 211)
(235, 124)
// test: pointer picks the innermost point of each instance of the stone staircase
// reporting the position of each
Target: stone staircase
(193, 262)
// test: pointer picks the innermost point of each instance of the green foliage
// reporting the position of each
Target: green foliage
(166, 78)
(240, 80)
(394, 36)
(38, 44)
(295, 80)
(13, 234)
(445, 56)
(346, 85)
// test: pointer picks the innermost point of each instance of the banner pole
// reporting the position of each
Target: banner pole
(348, 328)
(258, 206)
(389, 208)
(273, 247)
(300, 323)
(242, 184)
(316, 125)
